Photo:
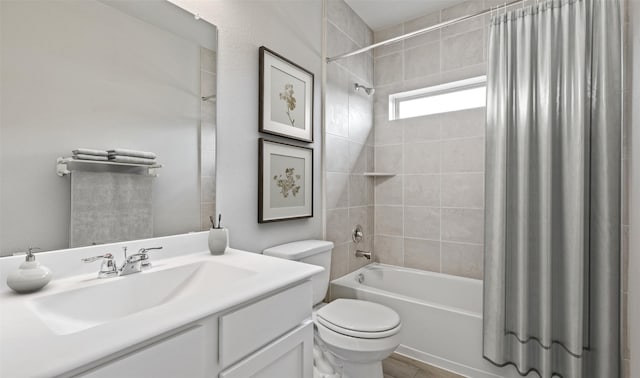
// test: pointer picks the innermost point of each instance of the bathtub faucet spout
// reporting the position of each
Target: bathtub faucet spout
(365, 254)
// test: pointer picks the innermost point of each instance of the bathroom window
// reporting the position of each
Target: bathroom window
(449, 97)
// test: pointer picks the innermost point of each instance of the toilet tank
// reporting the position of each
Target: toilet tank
(314, 252)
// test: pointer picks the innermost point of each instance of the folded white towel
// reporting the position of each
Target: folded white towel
(89, 157)
(131, 160)
(134, 153)
(88, 151)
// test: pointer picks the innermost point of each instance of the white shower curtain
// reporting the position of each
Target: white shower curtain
(551, 294)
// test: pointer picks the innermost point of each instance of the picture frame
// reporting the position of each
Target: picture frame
(286, 97)
(285, 181)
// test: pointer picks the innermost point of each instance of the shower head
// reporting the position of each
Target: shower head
(367, 90)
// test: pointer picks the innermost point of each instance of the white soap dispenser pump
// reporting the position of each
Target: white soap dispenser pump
(31, 275)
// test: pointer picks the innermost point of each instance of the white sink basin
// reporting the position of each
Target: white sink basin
(79, 309)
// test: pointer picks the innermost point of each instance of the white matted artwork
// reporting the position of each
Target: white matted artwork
(285, 182)
(286, 97)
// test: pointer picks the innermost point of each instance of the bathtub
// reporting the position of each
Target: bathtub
(441, 315)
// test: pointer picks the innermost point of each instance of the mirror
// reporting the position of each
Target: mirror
(103, 74)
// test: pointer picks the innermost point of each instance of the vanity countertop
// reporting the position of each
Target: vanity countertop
(29, 348)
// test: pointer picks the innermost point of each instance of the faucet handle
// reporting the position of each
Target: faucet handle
(108, 267)
(106, 256)
(145, 250)
(144, 253)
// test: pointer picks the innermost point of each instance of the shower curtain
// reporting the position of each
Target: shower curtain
(552, 223)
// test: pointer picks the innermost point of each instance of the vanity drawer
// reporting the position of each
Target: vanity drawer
(248, 329)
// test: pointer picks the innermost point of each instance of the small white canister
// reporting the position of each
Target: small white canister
(218, 240)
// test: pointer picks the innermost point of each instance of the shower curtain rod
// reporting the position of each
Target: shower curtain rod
(421, 31)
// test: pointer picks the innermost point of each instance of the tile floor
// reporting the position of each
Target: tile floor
(397, 366)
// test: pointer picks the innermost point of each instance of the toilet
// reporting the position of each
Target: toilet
(352, 336)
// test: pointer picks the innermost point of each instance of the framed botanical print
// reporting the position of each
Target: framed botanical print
(285, 182)
(286, 97)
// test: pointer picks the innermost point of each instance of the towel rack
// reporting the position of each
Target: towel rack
(62, 169)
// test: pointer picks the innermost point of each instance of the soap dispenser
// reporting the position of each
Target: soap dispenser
(31, 275)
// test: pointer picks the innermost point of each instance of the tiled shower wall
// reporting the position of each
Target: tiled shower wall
(430, 214)
(349, 138)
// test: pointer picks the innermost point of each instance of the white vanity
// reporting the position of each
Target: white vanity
(192, 314)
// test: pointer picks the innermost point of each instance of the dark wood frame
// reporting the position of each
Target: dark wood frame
(261, 172)
(261, 126)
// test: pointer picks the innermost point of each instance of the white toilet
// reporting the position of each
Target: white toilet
(357, 334)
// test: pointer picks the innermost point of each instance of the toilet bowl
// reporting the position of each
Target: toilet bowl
(354, 335)
(359, 334)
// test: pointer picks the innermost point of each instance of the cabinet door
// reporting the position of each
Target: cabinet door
(250, 328)
(289, 356)
(189, 353)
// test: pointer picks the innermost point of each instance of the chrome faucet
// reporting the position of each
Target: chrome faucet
(144, 257)
(108, 267)
(132, 264)
(364, 254)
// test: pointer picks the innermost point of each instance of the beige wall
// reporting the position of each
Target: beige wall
(349, 138)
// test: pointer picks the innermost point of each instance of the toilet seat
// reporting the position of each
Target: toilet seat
(359, 319)
(355, 349)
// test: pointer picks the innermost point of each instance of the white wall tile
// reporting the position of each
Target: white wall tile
(462, 259)
(360, 116)
(463, 123)
(337, 106)
(459, 10)
(339, 260)
(422, 61)
(422, 190)
(364, 217)
(463, 190)
(388, 159)
(388, 250)
(463, 50)
(360, 190)
(422, 254)
(420, 129)
(388, 220)
(337, 154)
(422, 157)
(422, 222)
(383, 35)
(388, 132)
(421, 23)
(338, 230)
(360, 157)
(463, 225)
(462, 155)
(337, 190)
(388, 69)
(388, 190)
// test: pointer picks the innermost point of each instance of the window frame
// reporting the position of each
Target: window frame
(455, 86)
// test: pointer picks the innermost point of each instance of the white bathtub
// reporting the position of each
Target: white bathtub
(441, 315)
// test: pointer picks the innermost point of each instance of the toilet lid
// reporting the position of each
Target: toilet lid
(357, 317)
